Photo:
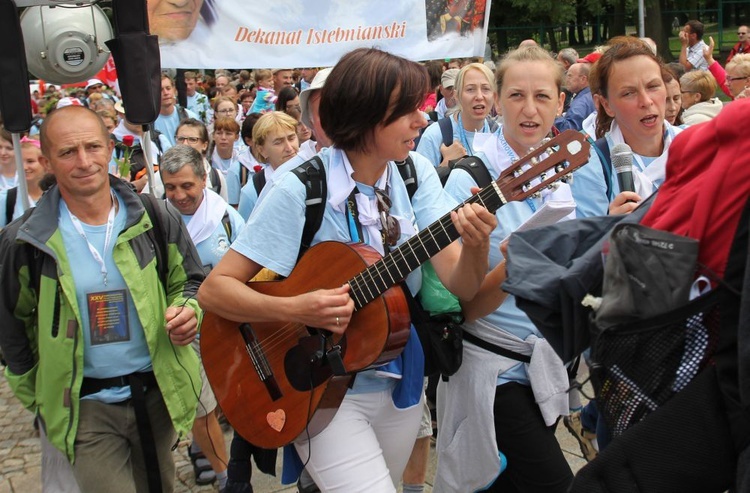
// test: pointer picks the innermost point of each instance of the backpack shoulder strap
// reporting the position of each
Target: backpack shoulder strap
(446, 130)
(182, 113)
(259, 181)
(313, 175)
(215, 180)
(476, 168)
(409, 174)
(244, 173)
(10, 204)
(160, 240)
(602, 149)
(227, 223)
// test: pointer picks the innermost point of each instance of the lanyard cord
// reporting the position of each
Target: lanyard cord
(107, 236)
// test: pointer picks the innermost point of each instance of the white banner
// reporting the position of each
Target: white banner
(313, 33)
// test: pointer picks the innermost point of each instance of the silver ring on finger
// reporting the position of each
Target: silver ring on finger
(337, 322)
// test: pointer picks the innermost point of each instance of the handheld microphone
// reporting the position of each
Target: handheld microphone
(622, 161)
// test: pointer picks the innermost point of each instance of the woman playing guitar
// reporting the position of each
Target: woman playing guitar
(369, 109)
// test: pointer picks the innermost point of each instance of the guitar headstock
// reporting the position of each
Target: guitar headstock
(566, 153)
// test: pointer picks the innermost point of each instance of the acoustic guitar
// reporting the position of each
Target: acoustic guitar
(276, 381)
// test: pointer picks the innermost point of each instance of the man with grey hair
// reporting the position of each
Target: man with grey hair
(582, 103)
(212, 225)
(567, 57)
(449, 104)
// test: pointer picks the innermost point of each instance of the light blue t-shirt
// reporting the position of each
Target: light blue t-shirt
(198, 104)
(507, 316)
(231, 169)
(167, 125)
(213, 248)
(432, 139)
(274, 231)
(6, 183)
(589, 186)
(118, 347)
(248, 197)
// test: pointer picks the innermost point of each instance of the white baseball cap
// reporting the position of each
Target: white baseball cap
(68, 101)
(317, 83)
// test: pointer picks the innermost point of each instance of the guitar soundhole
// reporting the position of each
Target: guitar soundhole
(305, 364)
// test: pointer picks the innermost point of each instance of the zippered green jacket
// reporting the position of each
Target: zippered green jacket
(41, 331)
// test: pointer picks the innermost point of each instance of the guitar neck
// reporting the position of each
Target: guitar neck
(400, 262)
(529, 175)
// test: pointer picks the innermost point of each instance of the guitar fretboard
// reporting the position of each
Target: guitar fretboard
(397, 264)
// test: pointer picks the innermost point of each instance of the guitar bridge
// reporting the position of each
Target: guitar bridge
(260, 362)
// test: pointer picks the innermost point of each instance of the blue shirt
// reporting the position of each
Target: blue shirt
(581, 107)
(231, 169)
(129, 353)
(248, 197)
(167, 125)
(589, 186)
(507, 317)
(215, 246)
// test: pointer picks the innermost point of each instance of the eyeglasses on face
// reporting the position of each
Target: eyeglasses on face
(391, 229)
(191, 140)
(732, 79)
(226, 111)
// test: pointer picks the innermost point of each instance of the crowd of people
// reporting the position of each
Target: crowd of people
(107, 276)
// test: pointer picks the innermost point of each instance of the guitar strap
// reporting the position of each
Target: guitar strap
(355, 228)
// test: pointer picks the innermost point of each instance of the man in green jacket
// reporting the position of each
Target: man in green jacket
(97, 341)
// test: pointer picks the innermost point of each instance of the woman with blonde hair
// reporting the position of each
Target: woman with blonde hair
(487, 409)
(738, 76)
(475, 92)
(274, 143)
(698, 88)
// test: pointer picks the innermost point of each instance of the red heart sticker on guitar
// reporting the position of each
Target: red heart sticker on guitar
(276, 419)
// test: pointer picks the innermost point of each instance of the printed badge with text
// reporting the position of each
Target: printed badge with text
(108, 317)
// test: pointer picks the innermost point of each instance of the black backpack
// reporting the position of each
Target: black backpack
(10, 204)
(446, 131)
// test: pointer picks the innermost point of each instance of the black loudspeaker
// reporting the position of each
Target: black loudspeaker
(138, 62)
(15, 99)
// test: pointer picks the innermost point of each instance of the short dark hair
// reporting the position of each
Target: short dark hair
(247, 126)
(366, 88)
(696, 27)
(192, 122)
(286, 94)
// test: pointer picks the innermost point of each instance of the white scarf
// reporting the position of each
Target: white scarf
(218, 162)
(647, 179)
(340, 186)
(207, 217)
(247, 159)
